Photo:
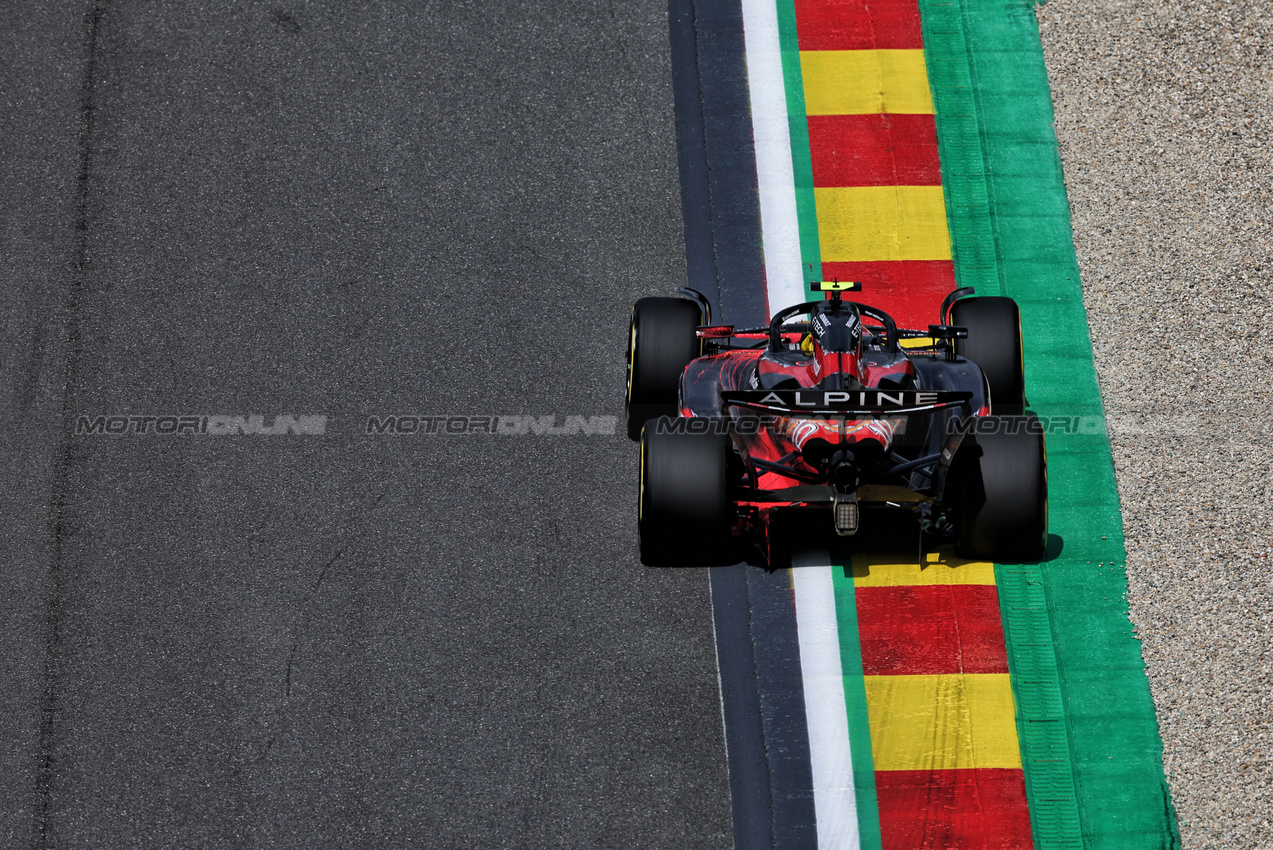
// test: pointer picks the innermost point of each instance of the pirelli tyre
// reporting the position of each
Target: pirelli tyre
(994, 344)
(662, 340)
(999, 487)
(684, 506)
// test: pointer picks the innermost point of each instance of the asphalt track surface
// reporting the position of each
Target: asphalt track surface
(339, 640)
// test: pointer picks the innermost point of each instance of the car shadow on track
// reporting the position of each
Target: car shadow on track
(802, 533)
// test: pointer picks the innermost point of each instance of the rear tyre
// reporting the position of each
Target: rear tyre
(684, 514)
(994, 344)
(999, 486)
(662, 340)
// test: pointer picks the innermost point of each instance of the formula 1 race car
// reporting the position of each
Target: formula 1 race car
(841, 413)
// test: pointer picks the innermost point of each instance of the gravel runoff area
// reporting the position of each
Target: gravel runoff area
(1164, 112)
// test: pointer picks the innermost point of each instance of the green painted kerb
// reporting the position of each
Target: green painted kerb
(1090, 745)
(846, 618)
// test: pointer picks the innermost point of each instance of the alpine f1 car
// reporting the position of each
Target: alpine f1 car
(832, 408)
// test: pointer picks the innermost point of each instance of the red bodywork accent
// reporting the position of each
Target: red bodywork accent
(784, 440)
(808, 374)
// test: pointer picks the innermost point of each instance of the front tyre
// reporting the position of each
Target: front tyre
(999, 486)
(684, 510)
(662, 340)
(994, 344)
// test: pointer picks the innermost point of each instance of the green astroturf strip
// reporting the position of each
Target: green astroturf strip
(1090, 745)
(846, 618)
(801, 158)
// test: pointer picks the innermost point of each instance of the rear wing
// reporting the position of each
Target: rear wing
(845, 402)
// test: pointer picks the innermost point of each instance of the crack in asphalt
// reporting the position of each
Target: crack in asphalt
(306, 604)
(51, 696)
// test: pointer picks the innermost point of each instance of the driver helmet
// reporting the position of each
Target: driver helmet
(836, 335)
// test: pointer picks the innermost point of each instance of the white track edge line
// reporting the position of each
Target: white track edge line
(826, 713)
(830, 753)
(779, 224)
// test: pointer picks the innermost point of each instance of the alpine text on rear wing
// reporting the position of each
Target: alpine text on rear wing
(836, 402)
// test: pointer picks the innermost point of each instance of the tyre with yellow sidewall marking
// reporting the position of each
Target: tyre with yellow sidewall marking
(662, 340)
